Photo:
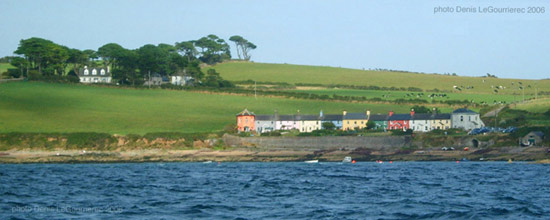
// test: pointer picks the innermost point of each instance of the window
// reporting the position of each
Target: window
(94, 72)
(86, 72)
(348, 122)
(461, 118)
(469, 118)
(355, 122)
(239, 120)
(102, 72)
(246, 120)
(426, 128)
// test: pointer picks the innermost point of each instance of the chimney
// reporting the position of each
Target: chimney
(368, 113)
(434, 111)
(108, 69)
(412, 112)
(344, 112)
(391, 113)
(321, 114)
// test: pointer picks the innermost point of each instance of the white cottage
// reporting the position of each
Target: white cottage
(94, 75)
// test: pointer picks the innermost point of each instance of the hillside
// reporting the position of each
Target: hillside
(4, 67)
(239, 71)
(50, 107)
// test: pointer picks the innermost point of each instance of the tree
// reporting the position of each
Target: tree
(187, 48)
(328, 125)
(370, 125)
(213, 49)
(151, 58)
(109, 53)
(21, 64)
(213, 79)
(91, 54)
(36, 51)
(78, 59)
(242, 46)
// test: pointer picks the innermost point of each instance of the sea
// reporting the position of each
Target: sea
(288, 190)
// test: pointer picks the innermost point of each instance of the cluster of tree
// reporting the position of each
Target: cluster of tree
(43, 57)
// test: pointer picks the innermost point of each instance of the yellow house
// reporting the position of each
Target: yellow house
(440, 121)
(355, 121)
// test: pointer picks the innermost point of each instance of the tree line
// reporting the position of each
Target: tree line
(37, 57)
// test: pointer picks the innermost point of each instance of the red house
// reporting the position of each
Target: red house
(245, 121)
(399, 121)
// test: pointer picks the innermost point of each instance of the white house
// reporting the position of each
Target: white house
(466, 119)
(94, 75)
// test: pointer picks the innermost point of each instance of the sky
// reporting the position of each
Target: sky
(420, 36)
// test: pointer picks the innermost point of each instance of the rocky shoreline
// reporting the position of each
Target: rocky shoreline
(261, 155)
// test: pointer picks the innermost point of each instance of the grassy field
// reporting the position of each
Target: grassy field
(44, 107)
(4, 67)
(538, 106)
(238, 71)
(393, 95)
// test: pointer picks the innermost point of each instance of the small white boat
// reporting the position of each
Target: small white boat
(207, 161)
(311, 161)
(346, 160)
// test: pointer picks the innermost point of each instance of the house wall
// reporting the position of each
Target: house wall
(245, 123)
(441, 124)
(420, 125)
(177, 80)
(381, 124)
(466, 121)
(309, 126)
(354, 124)
(95, 79)
(398, 124)
(264, 126)
(287, 125)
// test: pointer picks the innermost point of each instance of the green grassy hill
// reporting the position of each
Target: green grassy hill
(4, 67)
(239, 71)
(50, 107)
(393, 95)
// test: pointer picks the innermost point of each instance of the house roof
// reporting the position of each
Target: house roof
(537, 133)
(98, 69)
(286, 118)
(441, 116)
(310, 117)
(355, 116)
(378, 117)
(400, 117)
(265, 118)
(332, 118)
(464, 111)
(245, 112)
(421, 116)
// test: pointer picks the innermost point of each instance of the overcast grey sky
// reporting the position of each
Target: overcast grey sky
(402, 35)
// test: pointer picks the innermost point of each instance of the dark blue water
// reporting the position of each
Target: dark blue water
(405, 190)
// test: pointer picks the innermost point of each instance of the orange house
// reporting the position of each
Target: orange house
(245, 121)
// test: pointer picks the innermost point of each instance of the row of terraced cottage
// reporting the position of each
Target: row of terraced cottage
(460, 118)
